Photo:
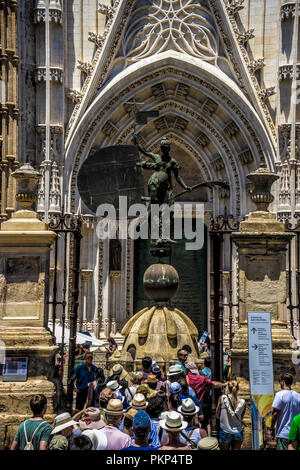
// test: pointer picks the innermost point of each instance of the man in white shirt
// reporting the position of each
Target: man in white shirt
(286, 406)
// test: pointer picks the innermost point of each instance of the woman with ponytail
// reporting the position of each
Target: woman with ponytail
(230, 411)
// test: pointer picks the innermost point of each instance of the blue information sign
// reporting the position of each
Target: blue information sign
(15, 369)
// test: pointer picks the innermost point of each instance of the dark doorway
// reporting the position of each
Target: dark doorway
(191, 265)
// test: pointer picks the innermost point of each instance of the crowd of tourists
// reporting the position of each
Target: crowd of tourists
(153, 410)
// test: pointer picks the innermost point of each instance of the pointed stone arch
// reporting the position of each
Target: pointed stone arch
(211, 85)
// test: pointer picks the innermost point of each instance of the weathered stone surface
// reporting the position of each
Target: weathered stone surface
(262, 245)
(24, 277)
(159, 332)
(14, 405)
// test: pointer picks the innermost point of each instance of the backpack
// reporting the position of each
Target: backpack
(29, 445)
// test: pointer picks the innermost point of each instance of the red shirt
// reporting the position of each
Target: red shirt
(199, 383)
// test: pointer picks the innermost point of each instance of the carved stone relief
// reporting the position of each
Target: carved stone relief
(158, 25)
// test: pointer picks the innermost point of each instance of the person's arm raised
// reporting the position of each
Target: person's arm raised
(219, 384)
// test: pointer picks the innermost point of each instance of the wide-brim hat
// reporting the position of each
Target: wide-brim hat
(151, 379)
(142, 389)
(113, 385)
(191, 366)
(208, 443)
(93, 424)
(98, 438)
(174, 370)
(139, 402)
(97, 421)
(58, 442)
(188, 407)
(62, 421)
(173, 422)
(106, 394)
(131, 413)
(119, 370)
(114, 407)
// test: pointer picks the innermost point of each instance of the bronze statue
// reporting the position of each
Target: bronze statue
(160, 183)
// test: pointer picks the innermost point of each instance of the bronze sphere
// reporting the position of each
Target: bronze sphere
(161, 282)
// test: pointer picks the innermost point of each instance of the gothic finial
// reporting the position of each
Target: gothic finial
(244, 37)
(235, 6)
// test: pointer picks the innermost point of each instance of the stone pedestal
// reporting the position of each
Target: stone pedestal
(25, 245)
(262, 244)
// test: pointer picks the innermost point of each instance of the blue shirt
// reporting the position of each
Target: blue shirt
(152, 436)
(182, 366)
(84, 376)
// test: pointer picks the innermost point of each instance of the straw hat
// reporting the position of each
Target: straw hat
(131, 413)
(151, 379)
(106, 394)
(117, 369)
(92, 419)
(191, 366)
(113, 385)
(173, 422)
(208, 443)
(142, 389)
(135, 376)
(139, 402)
(188, 407)
(98, 438)
(62, 421)
(114, 407)
(174, 370)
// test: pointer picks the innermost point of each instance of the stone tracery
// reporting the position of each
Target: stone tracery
(182, 25)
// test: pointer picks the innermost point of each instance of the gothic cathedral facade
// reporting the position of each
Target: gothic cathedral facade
(223, 75)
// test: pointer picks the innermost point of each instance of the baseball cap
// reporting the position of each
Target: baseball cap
(175, 388)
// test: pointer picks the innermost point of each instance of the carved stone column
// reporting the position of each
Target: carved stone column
(86, 276)
(115, 291)
(25, 245)
(9, 111)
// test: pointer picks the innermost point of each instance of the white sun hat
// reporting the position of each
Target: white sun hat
(173, 422)
(113, 385)
(188, 407)
(174, 370)
(98, 438)
(62, 421)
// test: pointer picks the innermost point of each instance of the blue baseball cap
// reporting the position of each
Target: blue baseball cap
(141, 422)
(175, 388)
